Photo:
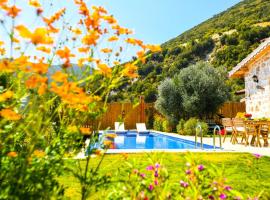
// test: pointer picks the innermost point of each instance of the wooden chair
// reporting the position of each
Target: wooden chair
(240, 130)
(251, 129)
(228, 127)
(264, 131)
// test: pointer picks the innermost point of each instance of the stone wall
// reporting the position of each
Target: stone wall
(258, 94)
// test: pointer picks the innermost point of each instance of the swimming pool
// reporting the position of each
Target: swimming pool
(152, 140)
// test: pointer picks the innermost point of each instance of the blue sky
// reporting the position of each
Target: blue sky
(156, 21)
(153, 21)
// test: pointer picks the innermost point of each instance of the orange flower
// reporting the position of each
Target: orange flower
(91, 38)
(106, 50)
(81, 61)
(39, 153)
(12, 11)
(141, 56)
(120, 30)
(35, 80)
(111, 135)
(2, 51)
(64, 53)
(83, 49)
(6, 95)
(154, 48)
(3, 2)
(100, 9)
(56, 16)
(113, 38)
(83, 10)
(34, 3)
(44, 49)
(110, 19)
(116, 63)
(12, 154)
(42, 88)
(39, 36)
(22, 63)
(77, 31)
(85, 130)
(7, 66)
(39, 67)
(107, 143)
(59, 76)
(130, 70)
(104, 69)
(98, 152)
(10, 114)
(15, 40)
(134, 41)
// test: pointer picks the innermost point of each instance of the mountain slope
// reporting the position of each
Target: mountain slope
(224, 40)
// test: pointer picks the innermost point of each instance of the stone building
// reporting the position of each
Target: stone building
(255, 69)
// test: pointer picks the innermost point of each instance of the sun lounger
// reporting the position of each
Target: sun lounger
(119, 127)
(141, 128)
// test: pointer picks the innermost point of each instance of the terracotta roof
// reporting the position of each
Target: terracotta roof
(238, 68)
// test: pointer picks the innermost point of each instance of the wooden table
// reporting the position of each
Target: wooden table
(258, 126)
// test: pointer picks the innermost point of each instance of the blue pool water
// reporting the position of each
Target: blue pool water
(151, 140)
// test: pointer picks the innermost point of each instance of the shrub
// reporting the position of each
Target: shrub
(166, 126)
(191, 124)
(158, 123)
(180, 126)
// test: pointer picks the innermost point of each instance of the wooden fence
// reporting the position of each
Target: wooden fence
(141, 113)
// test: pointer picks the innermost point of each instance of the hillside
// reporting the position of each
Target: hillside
(223, 40)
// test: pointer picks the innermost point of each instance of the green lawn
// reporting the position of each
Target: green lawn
(239, 169)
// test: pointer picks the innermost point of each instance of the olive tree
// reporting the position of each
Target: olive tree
(197, 91)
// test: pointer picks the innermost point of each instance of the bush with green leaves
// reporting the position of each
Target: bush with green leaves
(158, 123)
(197, 91)
(190, 127)
(180, 126)
(166, 125)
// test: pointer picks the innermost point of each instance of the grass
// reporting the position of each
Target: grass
(239, 169)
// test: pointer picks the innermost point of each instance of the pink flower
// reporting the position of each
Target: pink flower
(151, 187)
(157, 165)
(156, 182)
(211, 197)
(200, 167)
(183, 184)
(150, 167)
(222, 196)
(228, 188)
(156, 173)
(188, 171)
(257, 155)
(142, 175)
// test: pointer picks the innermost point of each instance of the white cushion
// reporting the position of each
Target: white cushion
(141, 127)
(240, 128)
(230, 129)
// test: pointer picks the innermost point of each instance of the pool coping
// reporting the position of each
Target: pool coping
(227, 147)
(115, 151)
